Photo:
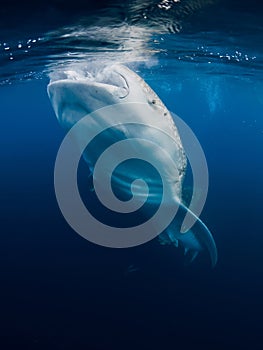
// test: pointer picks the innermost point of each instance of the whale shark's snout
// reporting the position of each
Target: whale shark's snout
(75, 96)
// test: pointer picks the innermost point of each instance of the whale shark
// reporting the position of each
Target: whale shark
(76, 95)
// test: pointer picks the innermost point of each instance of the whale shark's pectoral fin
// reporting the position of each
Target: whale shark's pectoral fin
(198, 238)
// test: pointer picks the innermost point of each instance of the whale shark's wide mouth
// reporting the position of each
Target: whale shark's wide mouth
(110, 77)
(74, 94)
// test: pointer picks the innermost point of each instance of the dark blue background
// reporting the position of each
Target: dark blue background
(58, 291)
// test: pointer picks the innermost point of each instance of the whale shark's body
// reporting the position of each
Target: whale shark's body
(75, 96)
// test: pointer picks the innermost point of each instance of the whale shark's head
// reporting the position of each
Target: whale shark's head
(83, 95)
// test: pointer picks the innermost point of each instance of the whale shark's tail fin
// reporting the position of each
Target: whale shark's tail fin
(198, 238)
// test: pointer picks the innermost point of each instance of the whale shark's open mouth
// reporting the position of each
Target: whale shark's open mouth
(106, 76)
(77, 93)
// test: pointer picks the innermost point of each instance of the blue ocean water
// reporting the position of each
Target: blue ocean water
(59, 291)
